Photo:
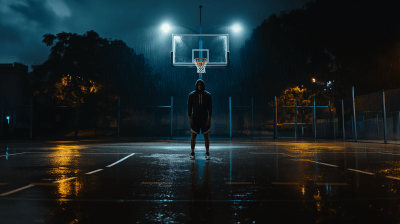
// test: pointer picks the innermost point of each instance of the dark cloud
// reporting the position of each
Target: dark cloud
(24, 22)
(36, 12)
(10, 34)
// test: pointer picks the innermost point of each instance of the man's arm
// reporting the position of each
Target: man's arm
(190, 105)
(209, 107)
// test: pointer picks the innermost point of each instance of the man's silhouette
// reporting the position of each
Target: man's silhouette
(200, 119)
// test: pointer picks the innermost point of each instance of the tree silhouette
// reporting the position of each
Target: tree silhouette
(353, 42)
(78, 64)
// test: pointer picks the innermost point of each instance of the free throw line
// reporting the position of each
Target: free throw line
(120, 160)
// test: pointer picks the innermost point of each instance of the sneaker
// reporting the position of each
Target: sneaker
(192, 155)
(208, 156)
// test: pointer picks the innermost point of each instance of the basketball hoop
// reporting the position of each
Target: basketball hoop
(201, 65)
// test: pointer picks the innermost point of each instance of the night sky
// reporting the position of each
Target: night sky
(24, 22)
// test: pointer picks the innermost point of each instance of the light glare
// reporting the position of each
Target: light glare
(165, 27)
(236, 28)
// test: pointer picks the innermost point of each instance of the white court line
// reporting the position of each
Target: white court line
(31, 185)
(396, 178)
(323, 163)
(362, 171)
(121, 160)
(12, 154)
(19, 189)
(60, 181)
(95, 171)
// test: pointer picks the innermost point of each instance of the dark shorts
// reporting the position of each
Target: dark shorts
(200, 125)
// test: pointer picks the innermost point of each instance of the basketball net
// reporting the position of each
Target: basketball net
(201, 65)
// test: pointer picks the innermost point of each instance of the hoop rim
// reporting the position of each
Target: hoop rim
(200, 63)
(196, 60)
(200, 58)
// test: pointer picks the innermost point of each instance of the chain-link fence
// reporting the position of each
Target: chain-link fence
(250, 121)
(377, 117)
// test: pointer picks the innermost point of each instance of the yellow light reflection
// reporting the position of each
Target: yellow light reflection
(389, 168)
(318, 197)
(63, 158)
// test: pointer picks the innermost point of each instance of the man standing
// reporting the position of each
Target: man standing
(200, 119)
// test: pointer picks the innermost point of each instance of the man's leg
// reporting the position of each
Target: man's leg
(207, 142)
(193, 141)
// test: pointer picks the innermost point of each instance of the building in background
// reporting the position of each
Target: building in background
(13, 96)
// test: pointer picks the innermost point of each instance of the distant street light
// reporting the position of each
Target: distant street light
(165, 27)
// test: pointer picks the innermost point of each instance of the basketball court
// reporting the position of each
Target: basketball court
(155, 182)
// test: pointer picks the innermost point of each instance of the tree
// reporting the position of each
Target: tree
(350, 42)
(72, 91)
(86, 70)
(305, 97)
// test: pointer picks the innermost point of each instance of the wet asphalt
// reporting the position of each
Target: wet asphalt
(246, 181)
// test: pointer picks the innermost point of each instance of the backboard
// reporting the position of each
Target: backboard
(187, 47)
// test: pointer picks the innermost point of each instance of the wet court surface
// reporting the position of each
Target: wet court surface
(256, 181)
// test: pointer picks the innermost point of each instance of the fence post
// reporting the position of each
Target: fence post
(252, 119)
(295, 120)
(384, 115)
(172, 112)
(31, 120)
(330, 121)
(275, 120)
(344, 133)
(334, 125)
(377, 124)
(315, 121)
(119, 111)
(354, 114)
(230, 118)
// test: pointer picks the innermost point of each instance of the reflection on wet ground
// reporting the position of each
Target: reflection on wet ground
(155, 182)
